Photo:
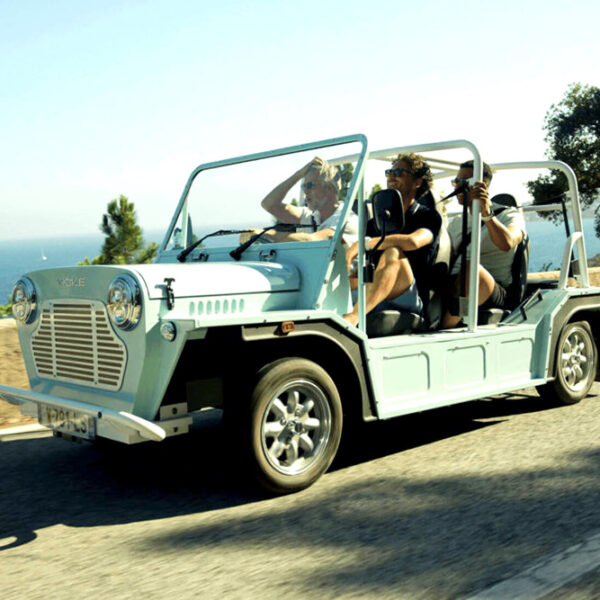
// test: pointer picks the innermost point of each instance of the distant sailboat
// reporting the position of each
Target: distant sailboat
(44, 257)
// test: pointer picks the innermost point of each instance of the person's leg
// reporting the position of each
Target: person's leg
(486, 287)
(392, 277)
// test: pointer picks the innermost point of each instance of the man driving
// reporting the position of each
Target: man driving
(318, 219)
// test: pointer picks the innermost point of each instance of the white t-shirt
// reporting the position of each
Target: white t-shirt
(310, 217)
(496, 261)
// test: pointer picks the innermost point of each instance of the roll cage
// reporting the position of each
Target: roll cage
(443, 168)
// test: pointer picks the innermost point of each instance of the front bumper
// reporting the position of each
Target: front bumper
(119, 420)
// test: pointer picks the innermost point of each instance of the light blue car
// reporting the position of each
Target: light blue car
(229, 319)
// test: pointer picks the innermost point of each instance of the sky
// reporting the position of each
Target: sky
(99, 99)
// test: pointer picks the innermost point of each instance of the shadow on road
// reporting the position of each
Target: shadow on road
(47, 482)
(446, 537)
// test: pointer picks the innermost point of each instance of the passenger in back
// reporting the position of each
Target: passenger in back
(401, 275)
(500, 236)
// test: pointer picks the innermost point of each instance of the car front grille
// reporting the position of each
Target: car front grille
(75, 342)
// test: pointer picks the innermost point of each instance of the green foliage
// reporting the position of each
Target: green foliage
(346, 171)
(6, 310)
(124, 243)
(376, 188)
(573, 135)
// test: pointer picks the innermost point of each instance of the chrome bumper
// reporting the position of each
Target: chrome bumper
(121, 420)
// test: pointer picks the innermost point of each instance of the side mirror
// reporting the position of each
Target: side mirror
(388, 212)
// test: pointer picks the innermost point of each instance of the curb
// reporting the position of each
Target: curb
(30, 428)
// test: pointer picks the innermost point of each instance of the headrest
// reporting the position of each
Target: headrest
(505, 200)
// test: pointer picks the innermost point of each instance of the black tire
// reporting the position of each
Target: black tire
(294, 425)
(576, 364)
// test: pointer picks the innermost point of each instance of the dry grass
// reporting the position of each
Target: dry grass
(12, 371)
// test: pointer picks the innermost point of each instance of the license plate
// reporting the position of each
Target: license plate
(66, 421)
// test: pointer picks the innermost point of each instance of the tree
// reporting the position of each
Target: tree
(124, 243)
(573, 135)
(376, 188)
(346, 172)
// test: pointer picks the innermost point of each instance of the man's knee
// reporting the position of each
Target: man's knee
(392, 258)
(393, 254)
(486, 284)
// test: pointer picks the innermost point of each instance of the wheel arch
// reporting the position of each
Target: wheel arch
(328, 347)
(581, 308)
(229, 356)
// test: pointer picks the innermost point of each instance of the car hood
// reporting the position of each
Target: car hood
(216, 279)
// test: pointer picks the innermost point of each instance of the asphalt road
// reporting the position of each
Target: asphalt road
(438, 505)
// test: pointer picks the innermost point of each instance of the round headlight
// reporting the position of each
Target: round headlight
(24, 300)
(124, 302)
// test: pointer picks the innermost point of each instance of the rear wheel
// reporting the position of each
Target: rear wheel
(576, 363)
(295, 424)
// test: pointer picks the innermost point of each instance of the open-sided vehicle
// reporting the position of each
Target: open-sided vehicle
(132, 352)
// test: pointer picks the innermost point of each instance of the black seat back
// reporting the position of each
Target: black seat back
(438, 282)
(504, 200)
(517, 288)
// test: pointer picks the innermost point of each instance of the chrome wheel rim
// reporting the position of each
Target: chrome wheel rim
(575, 359)
(296, 427)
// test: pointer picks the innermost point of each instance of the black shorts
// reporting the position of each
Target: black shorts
(498, 298)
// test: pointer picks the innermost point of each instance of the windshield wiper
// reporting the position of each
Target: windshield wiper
(237, 253)
(185, 253)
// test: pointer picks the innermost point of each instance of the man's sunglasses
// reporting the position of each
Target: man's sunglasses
(308, 185)
(397, 172)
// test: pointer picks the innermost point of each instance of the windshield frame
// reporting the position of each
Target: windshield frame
(351, 194)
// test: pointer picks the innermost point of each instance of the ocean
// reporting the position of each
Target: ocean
(20, 256)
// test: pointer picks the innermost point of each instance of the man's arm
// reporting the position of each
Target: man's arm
(502, 236)
(299, 236)
(273, 201)
(406, 242)
(273, 235)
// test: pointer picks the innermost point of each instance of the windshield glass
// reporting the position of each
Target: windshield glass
(305, 190)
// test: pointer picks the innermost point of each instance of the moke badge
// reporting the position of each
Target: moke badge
(70, 282)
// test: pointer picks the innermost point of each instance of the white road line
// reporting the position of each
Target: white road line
(548, 575)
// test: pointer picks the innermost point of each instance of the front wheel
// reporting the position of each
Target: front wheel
(295, 424)
(576, 363)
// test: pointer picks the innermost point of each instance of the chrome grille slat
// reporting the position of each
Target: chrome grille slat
(74, 342)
